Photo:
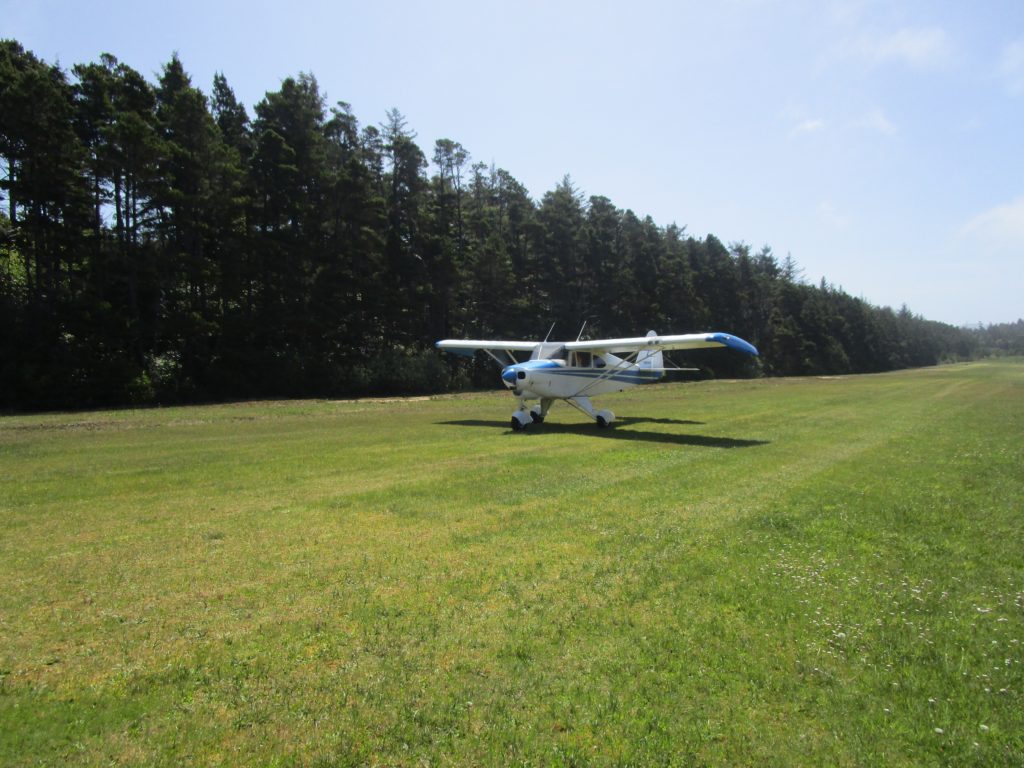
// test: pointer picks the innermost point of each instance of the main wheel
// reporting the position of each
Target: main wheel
(602, 423)
(516, 425)
(537, 418)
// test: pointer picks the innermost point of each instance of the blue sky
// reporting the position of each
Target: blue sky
(881, 144)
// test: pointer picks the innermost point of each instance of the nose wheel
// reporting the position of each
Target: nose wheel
(524, 416)
(521, 419)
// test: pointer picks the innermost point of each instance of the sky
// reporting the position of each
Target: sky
(880, 144)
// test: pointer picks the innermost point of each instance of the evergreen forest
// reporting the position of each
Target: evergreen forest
(160, 244)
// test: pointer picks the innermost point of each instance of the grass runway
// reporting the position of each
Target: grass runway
(817, 571)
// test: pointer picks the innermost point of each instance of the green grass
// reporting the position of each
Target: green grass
(783, 572)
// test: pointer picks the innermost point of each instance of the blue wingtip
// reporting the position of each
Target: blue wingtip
(735, 342)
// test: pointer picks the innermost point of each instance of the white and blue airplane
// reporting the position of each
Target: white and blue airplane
(576, 370)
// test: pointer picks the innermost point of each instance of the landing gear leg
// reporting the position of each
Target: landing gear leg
(539, 412)
(603, 418)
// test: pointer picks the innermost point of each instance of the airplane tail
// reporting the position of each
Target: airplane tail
(650, 359)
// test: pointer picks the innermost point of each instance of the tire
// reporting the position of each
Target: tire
(601, 423)
(516, 426)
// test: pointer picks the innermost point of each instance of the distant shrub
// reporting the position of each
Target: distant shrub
(407, 372)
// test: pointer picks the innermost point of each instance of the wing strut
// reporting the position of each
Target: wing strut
(511, 360)
(624, 365)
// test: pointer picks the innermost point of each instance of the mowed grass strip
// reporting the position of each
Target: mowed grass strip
(803, 571)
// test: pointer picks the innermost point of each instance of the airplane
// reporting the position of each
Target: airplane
(573, 371)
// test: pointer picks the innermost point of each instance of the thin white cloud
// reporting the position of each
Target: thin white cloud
(810, 125)
(922, 48)
(846, 12)
(1011, 66)
(831, 216)
(1001, 227)
(971, 125)
(876, 120)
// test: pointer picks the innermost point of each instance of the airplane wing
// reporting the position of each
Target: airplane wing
(467, 347)
(655, 342)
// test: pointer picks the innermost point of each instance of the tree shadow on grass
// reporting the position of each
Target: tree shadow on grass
(621, 431)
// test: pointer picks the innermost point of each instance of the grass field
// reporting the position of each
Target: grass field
(777, 572)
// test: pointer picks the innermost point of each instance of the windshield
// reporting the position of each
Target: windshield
(549, 351)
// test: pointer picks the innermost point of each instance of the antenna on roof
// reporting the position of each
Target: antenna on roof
(580, 334)
(549, 332)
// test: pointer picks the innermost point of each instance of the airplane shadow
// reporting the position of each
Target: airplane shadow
(647, 420)
(617, 432)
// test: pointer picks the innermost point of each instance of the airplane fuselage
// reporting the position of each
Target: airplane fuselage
(556, 379)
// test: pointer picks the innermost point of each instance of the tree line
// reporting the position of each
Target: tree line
(160, 244)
